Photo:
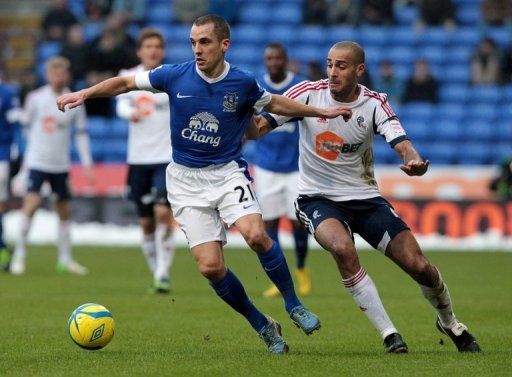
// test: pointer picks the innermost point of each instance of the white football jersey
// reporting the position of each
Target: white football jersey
(149, 140)
(49, 134)
(336, 157)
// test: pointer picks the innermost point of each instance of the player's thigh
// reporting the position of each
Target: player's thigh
(4, 181)
(59, 183)
(379, 224)
(235, 198)
(271, 191)
(210, 259)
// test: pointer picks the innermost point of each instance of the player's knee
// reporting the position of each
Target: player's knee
(212, 270)
(257, 239)
(344, 250)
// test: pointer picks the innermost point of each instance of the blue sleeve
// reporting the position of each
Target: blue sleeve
(255, 92)
(159, 77)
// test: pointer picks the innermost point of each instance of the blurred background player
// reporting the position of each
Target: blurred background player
(9, 107)
(47, 159)
(149, 153)
(276, 169)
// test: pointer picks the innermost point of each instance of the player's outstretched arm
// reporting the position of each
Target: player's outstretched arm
(413, 163)
(285, 106)
(108, 88)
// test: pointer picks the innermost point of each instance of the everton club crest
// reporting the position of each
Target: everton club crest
(230, 102)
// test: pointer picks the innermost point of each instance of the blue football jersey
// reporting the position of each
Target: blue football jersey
(208, 116)
(278, 151)
(8, 102)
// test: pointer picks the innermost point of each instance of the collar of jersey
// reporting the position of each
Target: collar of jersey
(215, 79)
(279, 85)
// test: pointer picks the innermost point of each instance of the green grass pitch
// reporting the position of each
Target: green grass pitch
(193, 333)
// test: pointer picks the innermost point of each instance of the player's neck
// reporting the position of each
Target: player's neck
(57, 88)
(278, 77)
(216, 71)
(347, 97)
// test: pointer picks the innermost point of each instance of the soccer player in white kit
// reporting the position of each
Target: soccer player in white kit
(208, 182)
(47, 158)
(149, 153)
(338, 194)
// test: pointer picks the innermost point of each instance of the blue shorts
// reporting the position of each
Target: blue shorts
(146, 187)
(373, 219)
(58, 183)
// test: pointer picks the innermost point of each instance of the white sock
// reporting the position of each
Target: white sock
(439, 298)
(149, 250)
(164, 251)
(21, 245)
(64, 242)
(365, 294)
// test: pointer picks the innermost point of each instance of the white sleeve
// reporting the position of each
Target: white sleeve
(262, 102)
(124, 107)
(27, 114)
(142, 82)
(387, 123)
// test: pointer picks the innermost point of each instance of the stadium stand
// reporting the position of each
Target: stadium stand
(470, 124)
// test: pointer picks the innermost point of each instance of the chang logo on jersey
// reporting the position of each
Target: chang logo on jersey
(230, 102)
(200, 129)
(329, 146)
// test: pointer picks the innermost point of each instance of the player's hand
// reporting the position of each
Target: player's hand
(72, 99)
(414, 167)
(136, 117)
(333, 112)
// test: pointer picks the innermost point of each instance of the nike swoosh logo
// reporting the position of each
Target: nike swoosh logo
(182, 96)
(249, 206)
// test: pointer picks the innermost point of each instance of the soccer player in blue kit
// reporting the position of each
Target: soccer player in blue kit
(276, 168)
(207, 180)
(9, 106)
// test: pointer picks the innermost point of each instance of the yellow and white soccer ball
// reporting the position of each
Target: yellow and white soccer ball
(91, 326)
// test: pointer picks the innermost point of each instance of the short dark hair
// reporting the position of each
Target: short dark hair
(220, 25)
(278, 46)
(147, 33)
(356, 49)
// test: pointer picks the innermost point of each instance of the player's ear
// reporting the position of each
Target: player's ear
(225, 43)
(360, 69)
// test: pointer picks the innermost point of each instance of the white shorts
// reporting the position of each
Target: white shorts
(202, 200)
(4, 180)
(276, 193)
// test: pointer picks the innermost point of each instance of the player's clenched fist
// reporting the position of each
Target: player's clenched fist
(414, 167)
(333, 112)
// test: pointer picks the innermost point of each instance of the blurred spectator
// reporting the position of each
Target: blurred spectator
(502, 185)
(57, 21)
(343, 12)
(97, 10)
(386, 82)
(421, 86)
(485, 63)
(314, 12)
(186, 11)
(376, 12)
(436, 13)
(507, 65)
(136, 9)
(316, 71)
(226, 9)
(112, 51)
(496, 12)
(76, 52)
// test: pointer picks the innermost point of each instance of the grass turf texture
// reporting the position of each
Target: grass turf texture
(193, 333)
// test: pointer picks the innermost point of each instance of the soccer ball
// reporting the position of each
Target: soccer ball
(91, 326)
